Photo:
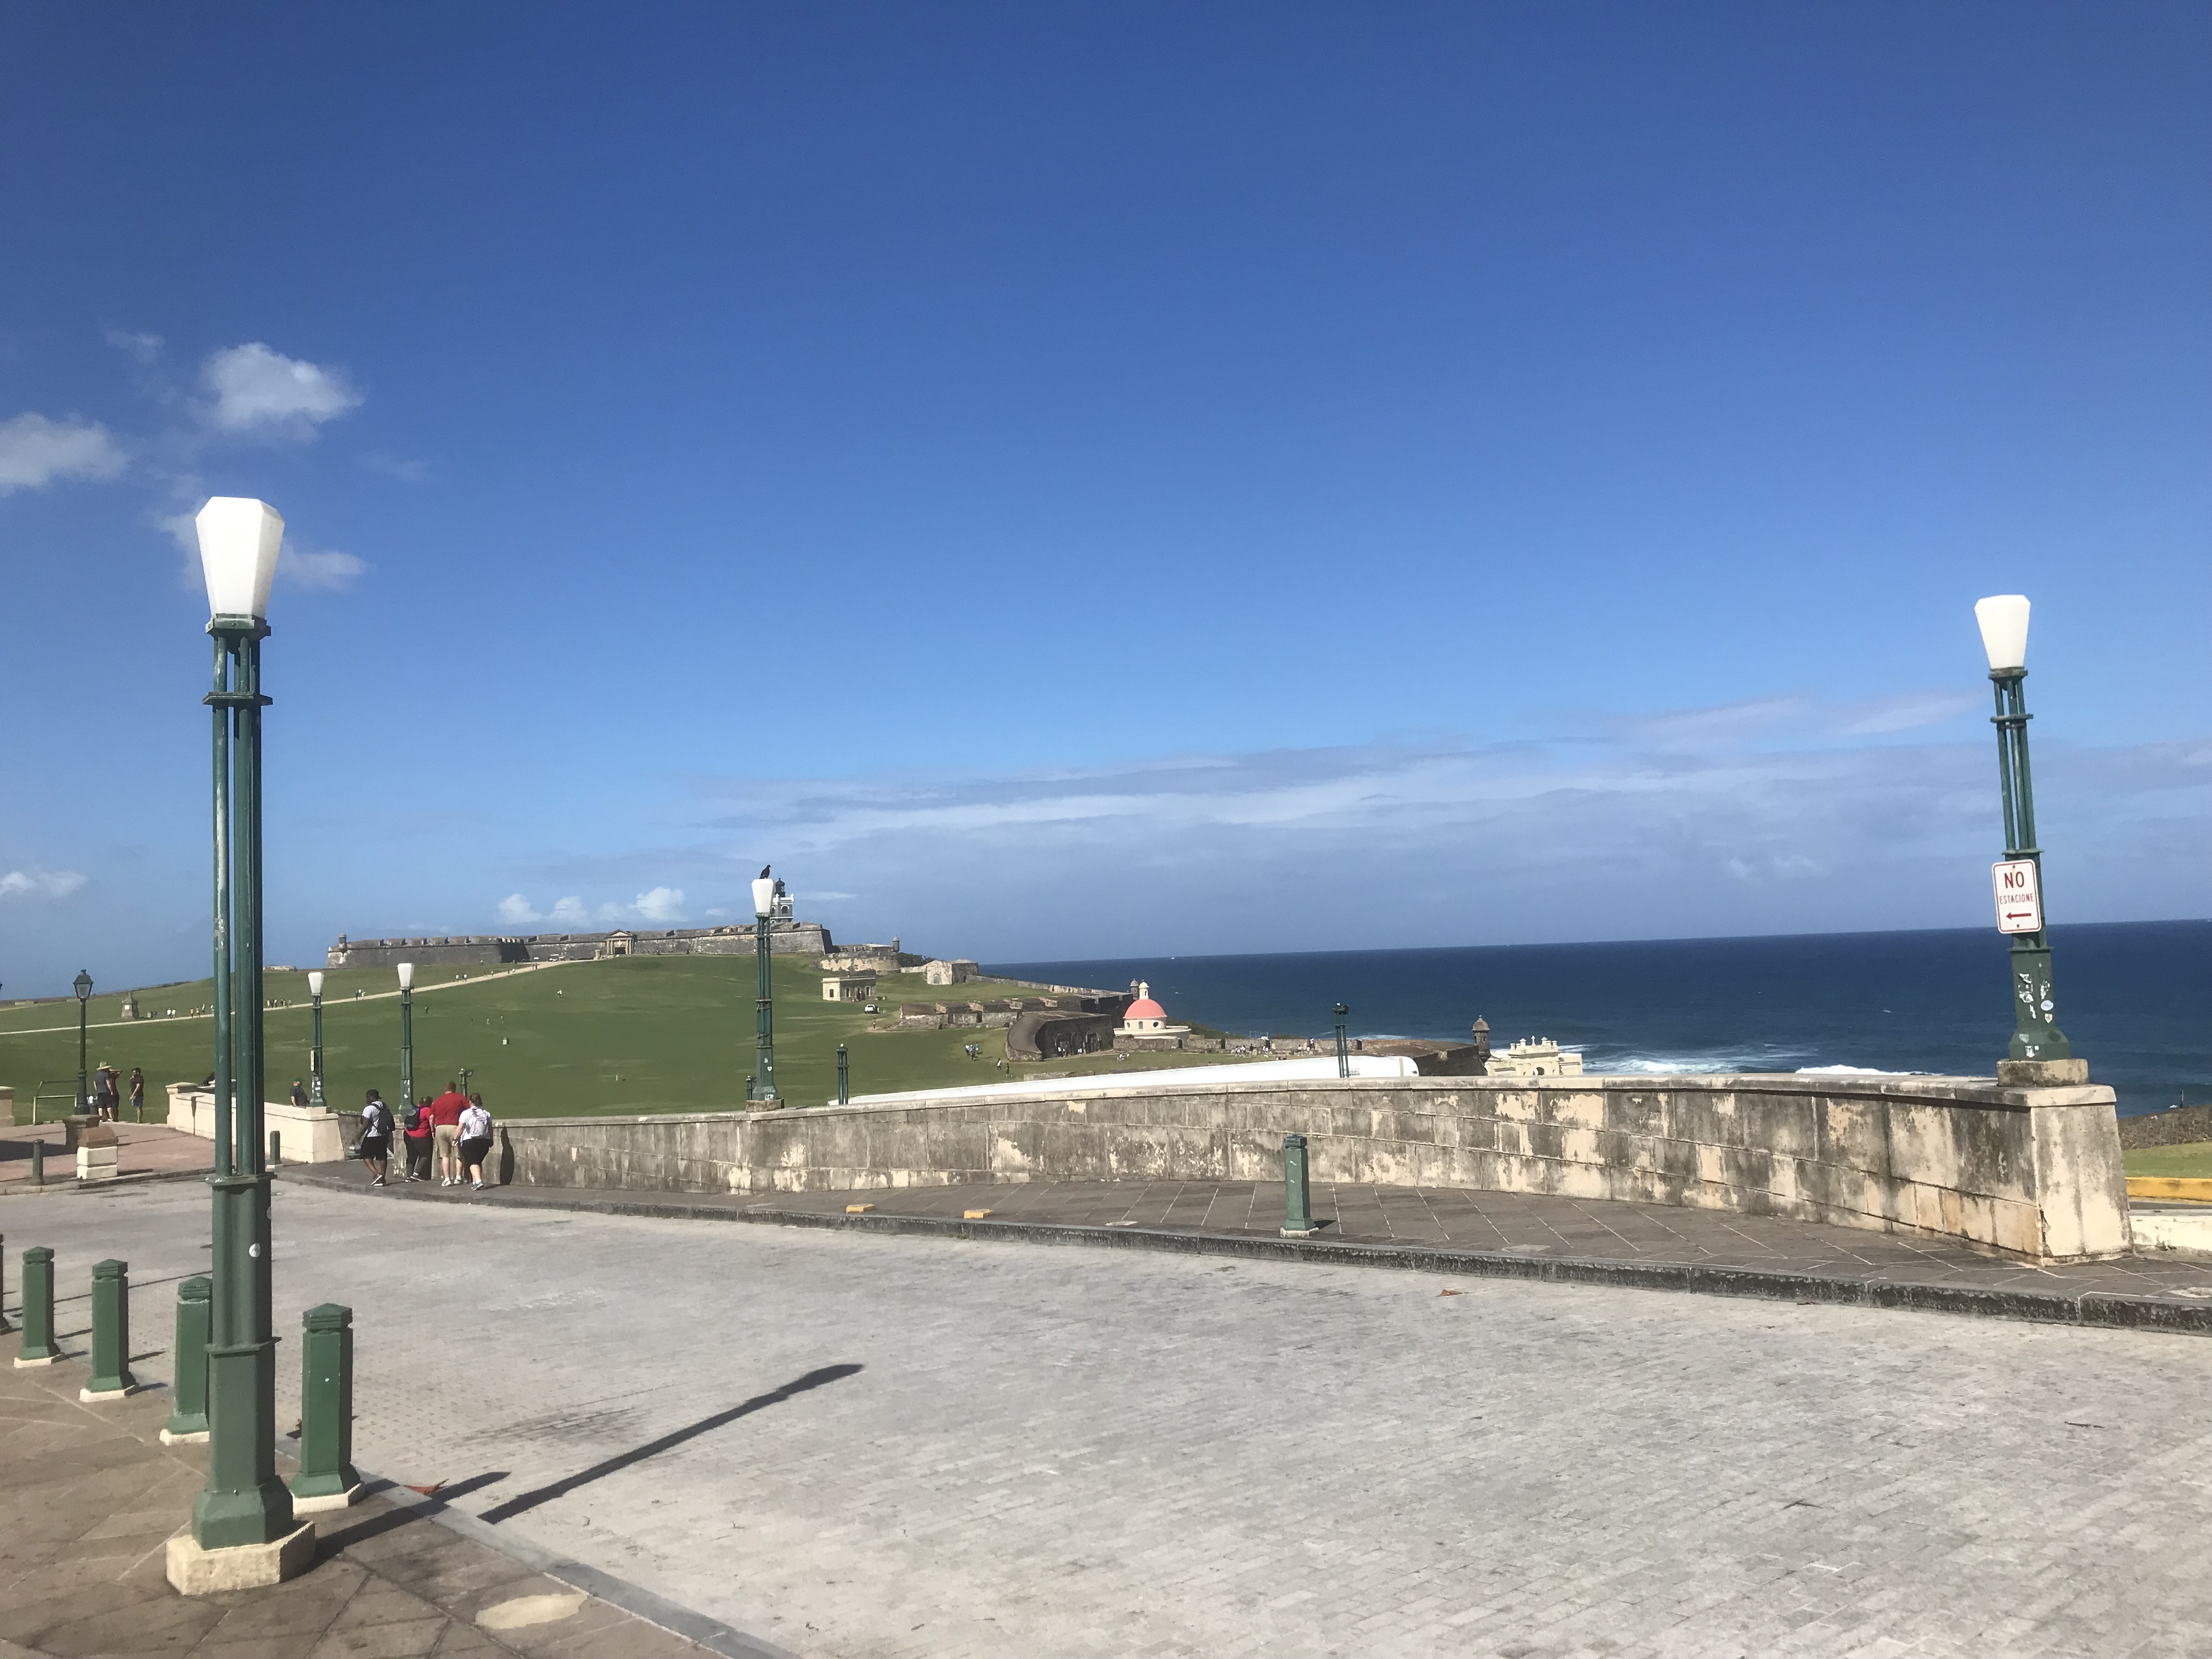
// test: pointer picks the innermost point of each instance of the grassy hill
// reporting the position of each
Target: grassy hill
(634, 1034)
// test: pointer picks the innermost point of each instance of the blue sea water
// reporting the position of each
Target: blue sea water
(2134, 998)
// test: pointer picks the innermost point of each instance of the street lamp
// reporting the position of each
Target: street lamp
(315, 1054)
(243, 1505)
(1343, 1053)
(406, 1037)
(763, 1084)
(83, 986)
(2036, 1039)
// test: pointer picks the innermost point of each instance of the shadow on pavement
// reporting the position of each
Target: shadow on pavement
(531, 1500)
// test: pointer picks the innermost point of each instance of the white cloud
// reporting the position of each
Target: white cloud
(36, 882)
(304, 567)
(517, 909)
(257, 389)
(395, 466)
(35, 452)
(661, 904)
(144, 347)
(569, 911)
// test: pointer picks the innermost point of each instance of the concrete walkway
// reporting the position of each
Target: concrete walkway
(1499, 1235)
(89, 1497)
(141, 1150)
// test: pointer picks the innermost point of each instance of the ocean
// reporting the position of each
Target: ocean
(2134, 998)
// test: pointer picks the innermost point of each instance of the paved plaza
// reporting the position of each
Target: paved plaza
(842, 1443)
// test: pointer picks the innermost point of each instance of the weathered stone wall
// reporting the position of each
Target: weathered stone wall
(2032, 1171)
(789, 938)
(2184, 1126)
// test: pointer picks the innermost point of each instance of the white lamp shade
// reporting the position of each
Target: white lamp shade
(2003, 618)
(240, 538)
(763, 895)
(406, 975)
(314, 985)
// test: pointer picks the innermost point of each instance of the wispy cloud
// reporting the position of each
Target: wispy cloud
(37, 884)
(259, 391)
(35, 452)
(328, 570)
(659, 904)
(394, 466)
(145, 347)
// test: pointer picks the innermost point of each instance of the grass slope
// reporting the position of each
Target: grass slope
(635, 1034)
(2190, 1157)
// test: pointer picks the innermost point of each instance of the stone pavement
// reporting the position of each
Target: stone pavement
(89, 1497)
(1518, 1234)
(141, 1150)
(855, 1444)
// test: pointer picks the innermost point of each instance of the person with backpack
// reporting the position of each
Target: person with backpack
(376, 1137)
(476, 1140)
(419, 1132)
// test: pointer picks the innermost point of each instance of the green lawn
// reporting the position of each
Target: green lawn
(2191, 1158)
(636, 1033)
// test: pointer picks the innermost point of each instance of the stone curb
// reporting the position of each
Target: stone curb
(2104, 1310)
(25, 1189)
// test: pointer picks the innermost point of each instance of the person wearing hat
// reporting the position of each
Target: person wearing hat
(105, 1093)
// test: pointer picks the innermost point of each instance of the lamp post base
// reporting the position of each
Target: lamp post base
(2042, 1073)
(195, 1571)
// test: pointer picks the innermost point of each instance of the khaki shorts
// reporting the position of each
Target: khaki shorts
(448, 1137)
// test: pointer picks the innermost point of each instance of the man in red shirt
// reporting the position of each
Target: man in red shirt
(445, 1115)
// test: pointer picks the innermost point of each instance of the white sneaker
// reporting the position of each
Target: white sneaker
(445, 1180)
(476, 1186)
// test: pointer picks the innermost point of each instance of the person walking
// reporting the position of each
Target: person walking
(476, 1140)
(137, 1095)
(376, 1137)
(446, 1113)
(418, 1140)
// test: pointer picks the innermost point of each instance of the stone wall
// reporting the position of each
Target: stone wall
(788, 939)
(2034, 1171)
(2181, 1126)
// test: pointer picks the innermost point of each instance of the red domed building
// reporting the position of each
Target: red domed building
(1146, 1022)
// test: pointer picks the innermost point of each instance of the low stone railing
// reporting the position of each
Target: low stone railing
(2034, 1172)
(308, 1134)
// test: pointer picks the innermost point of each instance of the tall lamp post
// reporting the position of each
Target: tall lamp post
(244, 1507)
(1343, 1053)
(2037, 1042)
(83, 986)
(763, 1084)
(406, 1037)
(315, 1054)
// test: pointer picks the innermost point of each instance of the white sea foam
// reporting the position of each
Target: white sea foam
(1848, 1070)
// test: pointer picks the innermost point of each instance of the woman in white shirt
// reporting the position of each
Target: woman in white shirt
(476, 1139)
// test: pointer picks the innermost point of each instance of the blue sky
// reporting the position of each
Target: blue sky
(1084, 480)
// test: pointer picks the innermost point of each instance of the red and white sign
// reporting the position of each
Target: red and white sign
(2019, 901)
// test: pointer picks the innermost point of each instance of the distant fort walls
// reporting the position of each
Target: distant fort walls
(786, 937)
(2034, 1172)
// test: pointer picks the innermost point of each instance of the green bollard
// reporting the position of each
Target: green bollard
(276, 1148)
(327, 1478)
(111, 1377)
(4, 1326)
(37, 1163)
(1298, 1203)
(188, 1421)
(38, 1347)
(844, 1079)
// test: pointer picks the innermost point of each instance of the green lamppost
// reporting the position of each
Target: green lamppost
(406, 1039)
(2037, 1042)
(83, 986)
(315, 1054)
(243, 1508)
(763, 1091)
(1343, 1053)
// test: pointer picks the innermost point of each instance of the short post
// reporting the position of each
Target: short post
(38, 1347)
(1298, 1198)
(844, 1079)
(188, 1419)
(276, 1147)
(327, 1478)
(4, 1326)
(38, 1162)
(1343, 1055)
(111, 1377)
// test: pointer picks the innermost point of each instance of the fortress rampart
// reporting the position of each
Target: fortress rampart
(785, 939)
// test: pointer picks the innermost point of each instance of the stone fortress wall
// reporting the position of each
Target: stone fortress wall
(2033, 1172)
(785, 939)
